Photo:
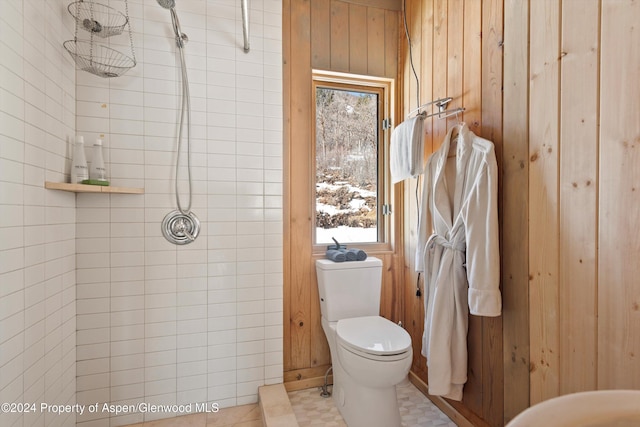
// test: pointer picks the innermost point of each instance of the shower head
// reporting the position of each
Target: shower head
(167, 4)
(181, 38)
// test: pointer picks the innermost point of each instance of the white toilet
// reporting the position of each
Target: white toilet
(370, 354)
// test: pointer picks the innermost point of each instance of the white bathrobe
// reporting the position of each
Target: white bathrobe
(458, 253)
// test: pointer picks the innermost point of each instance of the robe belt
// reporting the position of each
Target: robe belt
(436, 239)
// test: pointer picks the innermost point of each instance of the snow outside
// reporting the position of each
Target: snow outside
(346, 166)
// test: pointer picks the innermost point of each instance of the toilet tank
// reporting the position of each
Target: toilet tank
(349, 289)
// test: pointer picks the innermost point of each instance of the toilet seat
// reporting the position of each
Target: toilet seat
(373, 337)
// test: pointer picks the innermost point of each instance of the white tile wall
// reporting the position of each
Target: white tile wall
(37, 226)
(155, 323)
(159, 323)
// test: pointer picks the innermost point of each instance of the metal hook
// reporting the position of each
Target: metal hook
(442, 104)
(449, 114)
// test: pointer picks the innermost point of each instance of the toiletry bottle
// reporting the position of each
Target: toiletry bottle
(79, 170)
(98, 171)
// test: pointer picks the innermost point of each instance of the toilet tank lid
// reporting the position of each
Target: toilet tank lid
(327, 264)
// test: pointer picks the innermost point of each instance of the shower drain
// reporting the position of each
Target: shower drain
(179, 228)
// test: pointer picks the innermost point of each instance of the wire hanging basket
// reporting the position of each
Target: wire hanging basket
(99, 59)
(100, 20)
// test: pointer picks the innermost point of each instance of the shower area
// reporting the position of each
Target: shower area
(97, 306)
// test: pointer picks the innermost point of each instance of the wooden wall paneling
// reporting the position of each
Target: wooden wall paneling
(407, 99)
(515, 208)
(492, 35)
(404, 74)
(426, 70)
(619, 187)
(300, 379)
(471, 95)
(391, 51)
(317, 34)
(390, 5)
(456, 29)
(404, 102)
(320, 353)
(414, 306)
(375, 41)
(397, 232)
(358, 62)
(405, 71)
(490, 82)
(398, 314)
(455, 57)
(414, 23)
(578, 196)
(543, 198)
(321, 34)
(415, 313)
(584, 291)
(440, 63)
(388, 293)
(339, 36)
(424, 67)
(451, 64)
(286, 135)
(300, 148)
(350, 37)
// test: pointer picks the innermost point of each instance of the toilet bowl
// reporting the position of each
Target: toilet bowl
(370, 354)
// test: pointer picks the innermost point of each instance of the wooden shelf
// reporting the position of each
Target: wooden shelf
(83, 188)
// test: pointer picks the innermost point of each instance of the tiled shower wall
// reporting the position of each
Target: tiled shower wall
(37, 226)
(165, 324)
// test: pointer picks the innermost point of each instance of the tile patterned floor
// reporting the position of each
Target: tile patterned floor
(237, 416)
(415, 409)
(311, 410)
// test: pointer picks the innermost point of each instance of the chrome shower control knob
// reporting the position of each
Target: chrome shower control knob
(179, 228)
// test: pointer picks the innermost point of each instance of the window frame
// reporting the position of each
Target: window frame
(383, 87)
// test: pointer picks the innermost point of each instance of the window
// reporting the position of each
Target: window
(349, 167)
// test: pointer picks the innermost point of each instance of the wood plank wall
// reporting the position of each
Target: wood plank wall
(457, 52)
(577, 118)
(618, 286)
(359, 37)
(568, 136)
(515, 201)
(352, 37)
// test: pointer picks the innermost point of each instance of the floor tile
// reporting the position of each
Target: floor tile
(232, 416)
(312, 410)
(416, 410)
(193, 420)
(237, 416)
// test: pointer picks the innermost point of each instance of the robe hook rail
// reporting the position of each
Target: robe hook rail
(442, 104)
